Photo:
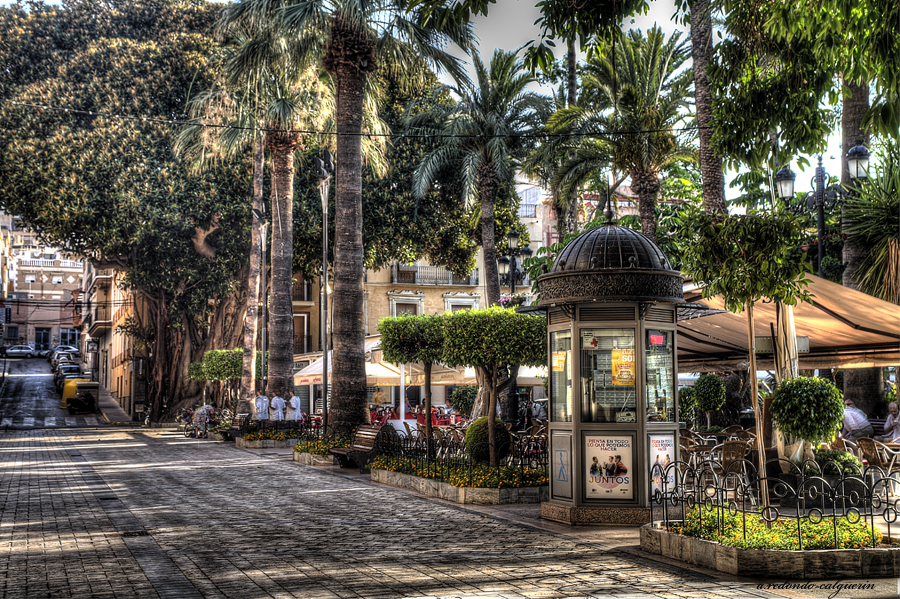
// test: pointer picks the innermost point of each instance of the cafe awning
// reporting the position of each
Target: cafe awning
(377, 374)
(846, 329)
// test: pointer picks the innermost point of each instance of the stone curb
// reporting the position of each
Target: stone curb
(819, 564)
(264, 443)
(311, 459)
(474, 495)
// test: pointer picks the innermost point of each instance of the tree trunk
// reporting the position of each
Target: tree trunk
(251, 317)
(349, 371)
(482, 400)
(646, 186)
(572, 205)
(488, 184)
(710, 164)
(863, 385)
(492, 417)
(280, 361)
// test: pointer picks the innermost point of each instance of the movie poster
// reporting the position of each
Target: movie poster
(610, 466)
(662, 453)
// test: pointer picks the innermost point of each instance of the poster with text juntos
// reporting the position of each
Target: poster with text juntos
(662, 454)
(609, 464)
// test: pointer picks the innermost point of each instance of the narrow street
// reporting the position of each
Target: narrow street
(30, 401)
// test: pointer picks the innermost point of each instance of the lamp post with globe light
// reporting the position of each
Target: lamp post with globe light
(323, 171)
(507, 267)
(821, 197)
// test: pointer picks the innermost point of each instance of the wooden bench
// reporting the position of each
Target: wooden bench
(361, 450)
(240, 425)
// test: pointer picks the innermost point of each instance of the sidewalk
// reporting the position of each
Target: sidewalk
(111, 411)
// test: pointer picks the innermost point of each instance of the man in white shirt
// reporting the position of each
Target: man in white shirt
(262, 406)
(892, 424)
(277, 407)
(856, 423)
(295, 413)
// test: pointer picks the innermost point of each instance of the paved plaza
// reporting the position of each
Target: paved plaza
(116, 512)
(90, 509)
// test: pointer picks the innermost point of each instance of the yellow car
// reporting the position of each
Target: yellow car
(69, 389)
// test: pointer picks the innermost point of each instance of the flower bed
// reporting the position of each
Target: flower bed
(322, 446)
(470, 495)
(475, 475)
(729, 529)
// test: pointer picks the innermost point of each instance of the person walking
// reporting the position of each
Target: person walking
(277, 407)
(201, 418)
(295, 413)
(262, 406)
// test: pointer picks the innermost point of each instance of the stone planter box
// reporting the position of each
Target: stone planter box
(816, 564)
(264, 444)
(474, 495)
(311, 459)
(218, 437)
(851, 485)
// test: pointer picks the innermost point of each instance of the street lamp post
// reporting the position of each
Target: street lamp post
(821, 197)
(263, 217)
(323, 170)
(507, 266)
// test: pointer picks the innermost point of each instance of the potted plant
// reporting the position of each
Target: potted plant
(709, 395)
(841, 472)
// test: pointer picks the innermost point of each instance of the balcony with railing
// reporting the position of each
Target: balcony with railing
(302, 292)
(97, 278)
(302, 344)
(412, 274)
(39, 263)
(98, 320)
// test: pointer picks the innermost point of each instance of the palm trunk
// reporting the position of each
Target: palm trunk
(863, 385)
(488, 185)
(280, 318)
(646, 186)
(251, 318)
(572, 209)
(710, 164)
(492, 418)
(349, 374)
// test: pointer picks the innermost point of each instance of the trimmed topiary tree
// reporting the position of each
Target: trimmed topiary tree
(477, 440)
(709, 395)
(809, 408)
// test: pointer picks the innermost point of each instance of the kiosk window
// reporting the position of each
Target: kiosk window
(608, 381)
(561, 376)
(660, 376)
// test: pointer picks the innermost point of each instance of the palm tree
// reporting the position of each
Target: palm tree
(647, 93)
(362, 36)
(281, 96)
(481, 133)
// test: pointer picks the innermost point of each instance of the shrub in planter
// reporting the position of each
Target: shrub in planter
(477, 439)
(463, 399)
(686, 404)
(709, 395)
(835, 462)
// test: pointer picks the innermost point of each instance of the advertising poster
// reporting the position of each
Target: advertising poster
(662, 453)
(559, 360)
(609, 463)
(623, 367)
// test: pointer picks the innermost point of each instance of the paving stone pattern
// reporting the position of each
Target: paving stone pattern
(124, 513)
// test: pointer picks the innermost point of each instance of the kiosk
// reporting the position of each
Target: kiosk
(611, 300)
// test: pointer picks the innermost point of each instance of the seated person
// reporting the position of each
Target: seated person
(892, 424)
(856, 423)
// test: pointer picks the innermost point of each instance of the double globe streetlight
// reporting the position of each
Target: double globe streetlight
(507, 267)
(821, 197)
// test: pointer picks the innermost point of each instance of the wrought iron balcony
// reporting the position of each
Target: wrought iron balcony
(412, 274)
(302, 344)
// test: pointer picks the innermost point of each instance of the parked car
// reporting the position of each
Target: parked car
(61, 381)
(69, 349)
(23, 351)
(61, 358)
(65, 369)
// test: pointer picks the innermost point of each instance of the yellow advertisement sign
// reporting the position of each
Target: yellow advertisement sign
(559, 361)
(623, 367)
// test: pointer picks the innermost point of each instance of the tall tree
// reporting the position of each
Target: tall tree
(110, 188)
(361, 36)
(644, 85)
(482, 134)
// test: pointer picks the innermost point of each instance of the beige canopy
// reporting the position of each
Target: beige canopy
(846, 329)
(377, 374)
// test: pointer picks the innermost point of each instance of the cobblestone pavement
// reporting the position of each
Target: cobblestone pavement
(140, 513)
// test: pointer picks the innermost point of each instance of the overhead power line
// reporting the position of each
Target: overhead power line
(193, 123)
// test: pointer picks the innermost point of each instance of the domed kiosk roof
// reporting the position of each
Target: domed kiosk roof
(611, 263)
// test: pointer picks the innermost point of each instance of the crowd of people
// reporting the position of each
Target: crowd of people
(274, 409)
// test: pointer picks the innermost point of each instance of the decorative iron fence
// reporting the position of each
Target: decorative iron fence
(429, 275)
(724, 502)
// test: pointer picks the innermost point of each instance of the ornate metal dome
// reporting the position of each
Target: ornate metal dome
(611, 263)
